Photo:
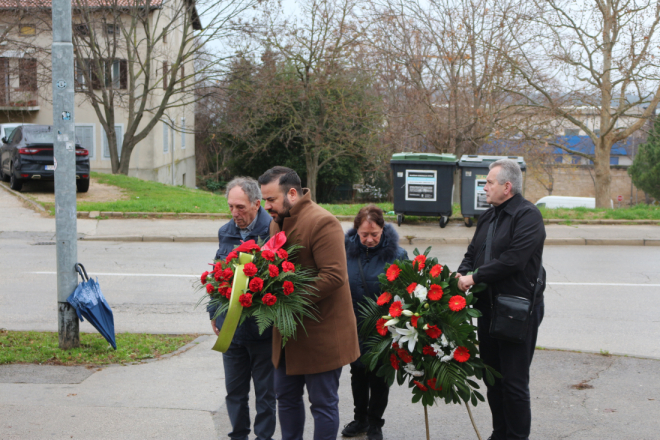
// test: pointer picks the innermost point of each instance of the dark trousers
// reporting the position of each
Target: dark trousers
(322, 392)
(508, 398)
(243, 362)
(370, 394)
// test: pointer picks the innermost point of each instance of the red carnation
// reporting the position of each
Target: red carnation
(218, 275)
(413, 321)
(393, 272)
(269, 299)
(456, 303)
(288, 266)
(209, 288)
(433, 384)
(250, 269)
(231, 256)
(225, 291)
(420, 386)
(433, 332)
(436, 271)
(394, 361)
(268, 255)
(282, 254)
(384, 298)
(395, 346)
(256, 284)
(435, 292)
(411, 288)
(217, 267)
(248, 246)
(273, 270)
(380, 327)
(461, 354)
(204, 276)
(395, 309)
(404, 355)
(227, 274)
(428, 350)
(420, 260)
(245, 300)
(287, 287)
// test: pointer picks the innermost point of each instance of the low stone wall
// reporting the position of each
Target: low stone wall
(578, 181)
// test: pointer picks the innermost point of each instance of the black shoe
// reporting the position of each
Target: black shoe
(375, 433)
(356, 427)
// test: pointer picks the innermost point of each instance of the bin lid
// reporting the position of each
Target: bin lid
(429, 157)
(471, 160)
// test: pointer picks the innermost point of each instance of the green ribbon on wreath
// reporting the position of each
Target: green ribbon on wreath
(239, 285)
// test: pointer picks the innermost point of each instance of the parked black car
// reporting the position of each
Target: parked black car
(28, 155)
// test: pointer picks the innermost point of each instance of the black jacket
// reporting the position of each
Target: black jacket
(517, 251)
(373, 262)
(229, 236)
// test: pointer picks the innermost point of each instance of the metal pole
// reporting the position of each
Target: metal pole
(65, 172)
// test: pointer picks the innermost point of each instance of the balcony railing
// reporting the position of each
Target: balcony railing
(19, 100)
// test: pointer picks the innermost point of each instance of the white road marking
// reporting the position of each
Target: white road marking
(197, 276)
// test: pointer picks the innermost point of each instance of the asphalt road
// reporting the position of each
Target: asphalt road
(598, 298)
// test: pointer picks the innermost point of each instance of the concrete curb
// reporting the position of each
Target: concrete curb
(31, 203)
(403, 241)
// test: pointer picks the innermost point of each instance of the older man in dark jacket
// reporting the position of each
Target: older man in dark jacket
(510, 265)
(249, 355)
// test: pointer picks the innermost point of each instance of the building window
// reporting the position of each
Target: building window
(597, 132)
(85, 137)
(183, 77)
(575, 160)
(112, 29)
(559, 158)
(172, 139)
(166, 142)
(116, 74)
(183, 133)
(81, 30)
(27, 74)
(614, 160)
(27, 30)
(164, 75)
(3, 35)
(119, 132)
(572, 132)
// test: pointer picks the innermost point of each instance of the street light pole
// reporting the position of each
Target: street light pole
(65, 172)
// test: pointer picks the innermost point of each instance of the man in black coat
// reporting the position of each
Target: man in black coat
(512, 268)
(249, 355)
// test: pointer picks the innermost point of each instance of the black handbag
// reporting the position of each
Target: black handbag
(510, 314)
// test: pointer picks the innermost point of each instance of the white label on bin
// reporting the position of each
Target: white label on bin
(399, 174)
(421, 185)
(480, 202)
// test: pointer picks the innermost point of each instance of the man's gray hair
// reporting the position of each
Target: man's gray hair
(509, 172)
(249, 186)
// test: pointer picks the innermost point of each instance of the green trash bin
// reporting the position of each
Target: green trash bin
(423, 184)
(474, 169)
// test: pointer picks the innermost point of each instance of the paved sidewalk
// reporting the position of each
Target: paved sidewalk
(182, 397)
(15, 217)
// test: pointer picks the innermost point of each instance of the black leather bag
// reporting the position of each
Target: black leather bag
(510, 314)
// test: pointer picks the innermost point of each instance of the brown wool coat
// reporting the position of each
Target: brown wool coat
(332, 342)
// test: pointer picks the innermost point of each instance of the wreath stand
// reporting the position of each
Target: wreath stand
(467, 405)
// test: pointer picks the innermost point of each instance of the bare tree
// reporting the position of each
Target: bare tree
(143, 57)
(595, 55)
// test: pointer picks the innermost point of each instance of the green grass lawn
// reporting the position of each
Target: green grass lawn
(42, 348)
(148, 196)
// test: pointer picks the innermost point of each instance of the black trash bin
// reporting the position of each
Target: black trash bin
(474, 170)
(423, 185)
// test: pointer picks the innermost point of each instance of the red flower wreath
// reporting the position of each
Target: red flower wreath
(456, 303)
(393, 272)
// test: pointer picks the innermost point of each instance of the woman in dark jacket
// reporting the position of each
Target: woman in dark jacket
(370, 244)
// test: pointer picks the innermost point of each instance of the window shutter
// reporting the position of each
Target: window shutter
(85, 136)
(164, 75)
(183, 77)
(166, 143)
(123, 74)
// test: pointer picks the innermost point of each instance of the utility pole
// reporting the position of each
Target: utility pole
(65, 173)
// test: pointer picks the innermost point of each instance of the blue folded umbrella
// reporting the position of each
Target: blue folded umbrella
(90, 303)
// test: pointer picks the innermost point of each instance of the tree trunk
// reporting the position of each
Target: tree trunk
(602, 171)
(312, 165)
(126, 149)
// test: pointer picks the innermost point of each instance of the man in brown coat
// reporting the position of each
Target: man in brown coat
(315, 358)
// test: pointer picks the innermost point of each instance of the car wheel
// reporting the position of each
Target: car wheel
(82, 185)
(14, 183)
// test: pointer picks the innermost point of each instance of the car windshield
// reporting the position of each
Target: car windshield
(39, 135)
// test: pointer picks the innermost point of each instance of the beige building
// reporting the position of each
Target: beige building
(167, 153)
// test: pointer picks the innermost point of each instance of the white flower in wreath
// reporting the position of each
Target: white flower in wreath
(448, 357)
(420, 292)
(395, 335)
(410, 369)
(444, 341)
(409, 335)
(439, 351)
